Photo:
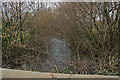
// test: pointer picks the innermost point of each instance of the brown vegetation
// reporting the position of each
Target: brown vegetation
(91, 29)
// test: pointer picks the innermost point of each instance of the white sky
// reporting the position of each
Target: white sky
(63, 0)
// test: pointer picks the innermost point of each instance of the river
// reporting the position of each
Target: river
(59, 55)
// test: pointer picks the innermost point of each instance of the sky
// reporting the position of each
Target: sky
(63, 0)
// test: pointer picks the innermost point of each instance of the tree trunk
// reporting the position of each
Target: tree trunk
(20, 21)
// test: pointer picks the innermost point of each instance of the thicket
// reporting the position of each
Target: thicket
(92, 29)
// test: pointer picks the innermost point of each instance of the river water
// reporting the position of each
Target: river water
(59, 53)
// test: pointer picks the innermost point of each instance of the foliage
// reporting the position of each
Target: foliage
(91, 29)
